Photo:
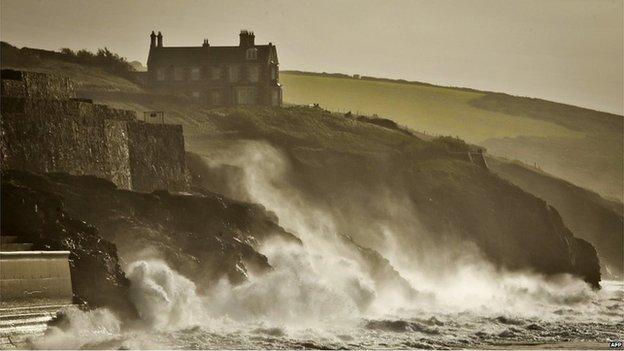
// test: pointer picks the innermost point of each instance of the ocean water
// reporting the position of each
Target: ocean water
(597, 321)
(593, 321)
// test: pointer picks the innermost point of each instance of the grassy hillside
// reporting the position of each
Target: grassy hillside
(576, 144)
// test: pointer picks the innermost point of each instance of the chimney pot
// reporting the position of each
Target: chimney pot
(160, 39)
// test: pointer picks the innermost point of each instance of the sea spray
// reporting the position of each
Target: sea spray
(75, 328)
(296, 292)
(164, 299)
(454, 271)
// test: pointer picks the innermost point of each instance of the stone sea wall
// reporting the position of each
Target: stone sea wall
(157, 157)
(44, 129)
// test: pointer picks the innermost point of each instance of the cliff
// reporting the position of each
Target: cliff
(373, 178)
(204, 236)
(39, 217)
(588, 215)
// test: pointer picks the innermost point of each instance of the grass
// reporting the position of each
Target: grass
(435, 110)
(576, 144)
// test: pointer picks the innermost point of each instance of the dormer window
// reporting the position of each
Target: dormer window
(251, 54)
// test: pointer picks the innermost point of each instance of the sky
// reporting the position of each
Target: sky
(567, 51)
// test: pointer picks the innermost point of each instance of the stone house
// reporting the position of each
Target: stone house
(247, 74)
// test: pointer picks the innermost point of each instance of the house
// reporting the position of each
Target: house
(247, 74)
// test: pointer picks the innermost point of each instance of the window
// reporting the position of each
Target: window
(178, 73)
(275, 97)
(233, 73)
(254, 73)
(215, 73)
(245, 95)
(215, 97)
(195, 73)
(273, 73)
(251, 54)
(160, 74)
(195, 94)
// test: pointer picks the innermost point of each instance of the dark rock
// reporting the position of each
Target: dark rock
(40, 217)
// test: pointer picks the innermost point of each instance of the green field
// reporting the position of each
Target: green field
(580, 145)
(431, 109)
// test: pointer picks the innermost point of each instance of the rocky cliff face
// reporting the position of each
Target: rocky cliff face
(204, 236)
(40, 217)
(588, 215)
(434, 202)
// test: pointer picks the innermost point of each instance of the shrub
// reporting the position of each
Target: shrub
(103, 58)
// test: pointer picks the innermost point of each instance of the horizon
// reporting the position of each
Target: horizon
(561, 51)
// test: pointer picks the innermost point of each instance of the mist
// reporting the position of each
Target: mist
(328, 285)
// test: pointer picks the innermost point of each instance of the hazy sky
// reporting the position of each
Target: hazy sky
(563, 50)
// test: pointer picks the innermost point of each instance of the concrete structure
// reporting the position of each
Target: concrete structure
(45, 129)
(31, 276)
(247, 74)
(34, 286)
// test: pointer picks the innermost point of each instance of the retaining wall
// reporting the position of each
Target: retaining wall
(36, 85)
(157, 157)
(36, 275)
(44, 129)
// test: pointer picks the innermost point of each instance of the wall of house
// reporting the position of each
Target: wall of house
(205, 84)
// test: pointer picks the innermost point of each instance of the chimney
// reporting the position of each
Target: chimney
(159, 36)
(247, 38)
(152, 39)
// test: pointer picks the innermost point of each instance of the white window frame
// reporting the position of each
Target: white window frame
(161, 74)
(195, 73)
(216, 97)
(246, 95)
(251, 54)
(253, 73)
(215, 73)
(233, 73)
(275, 97)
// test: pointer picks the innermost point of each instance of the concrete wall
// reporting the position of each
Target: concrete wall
(35, 275)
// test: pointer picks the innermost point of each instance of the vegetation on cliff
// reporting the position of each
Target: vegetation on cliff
(577, 144)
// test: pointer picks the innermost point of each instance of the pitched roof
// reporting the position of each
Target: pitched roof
(197, 55)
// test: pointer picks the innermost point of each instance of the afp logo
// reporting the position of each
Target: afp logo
(615, 344)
